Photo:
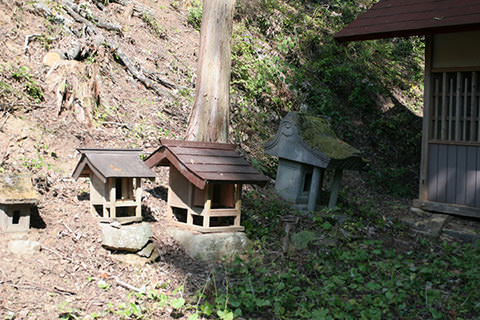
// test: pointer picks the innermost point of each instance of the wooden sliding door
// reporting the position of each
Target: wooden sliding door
(453, 164)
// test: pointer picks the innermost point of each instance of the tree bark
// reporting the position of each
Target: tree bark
(209, 117)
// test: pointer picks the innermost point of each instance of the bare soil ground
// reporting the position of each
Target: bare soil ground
(65, 276)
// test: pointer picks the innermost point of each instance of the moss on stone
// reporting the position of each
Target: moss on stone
(317, 134)
(16, 189)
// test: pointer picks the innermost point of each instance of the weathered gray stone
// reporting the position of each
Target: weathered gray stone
(155, 254)
(431, 226)
(463, 235)
(24, 246)
(420, 213)
(128, 238)
(147, 250)
(130, 258)
(212, 246)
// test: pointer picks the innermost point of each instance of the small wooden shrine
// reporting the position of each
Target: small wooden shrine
(306, 146)
(450, 164)
(205, 183)
(17, 200)
(115, 182)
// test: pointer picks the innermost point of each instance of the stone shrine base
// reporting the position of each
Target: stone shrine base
(210, 247)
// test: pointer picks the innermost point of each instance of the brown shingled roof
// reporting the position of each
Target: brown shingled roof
(400, 18)
(203, 163)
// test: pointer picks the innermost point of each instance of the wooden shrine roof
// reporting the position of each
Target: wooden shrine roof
(203, 163)
(17, 189)
(112, 163)
(401, 18)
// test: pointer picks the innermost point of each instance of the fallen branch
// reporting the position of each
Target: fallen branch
(155, 77)
(28, 38)
(21, 286)
(119, 124)
(136, 73)
(64, 291)
(4, 122)
(78, 18)
(2, 161)
(57, 254)
(129, 286)
(138, 9)
(90, 18)
(41, 8)
(145, 77)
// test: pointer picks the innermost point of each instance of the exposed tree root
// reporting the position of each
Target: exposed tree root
(91, 24)
(136, 72)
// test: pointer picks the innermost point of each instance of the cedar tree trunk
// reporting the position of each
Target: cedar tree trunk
(209, 117)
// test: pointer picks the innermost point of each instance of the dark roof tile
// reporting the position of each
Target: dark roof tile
(203, 163)
(112, 163)
(392, 18)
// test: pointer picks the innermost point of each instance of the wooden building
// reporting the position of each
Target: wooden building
(450, 165)
(17, 200)
(306, 147)
(115, 182)
(205, 183)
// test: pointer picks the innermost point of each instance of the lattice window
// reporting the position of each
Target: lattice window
(455, 107)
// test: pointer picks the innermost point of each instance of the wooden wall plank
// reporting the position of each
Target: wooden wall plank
(442, 173)
(432, 172)
(473, 112)
(471, 176)
(436, 111)
(461, 169)
(475, 102)
(451, 173)
(443, 130)
(477, 179)
(450, 135)
(457, 106)
(465, 101)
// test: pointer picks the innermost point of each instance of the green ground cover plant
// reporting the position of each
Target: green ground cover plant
(342, 271)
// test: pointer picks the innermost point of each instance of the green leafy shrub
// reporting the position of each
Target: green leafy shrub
(32, 88)
(194, 15)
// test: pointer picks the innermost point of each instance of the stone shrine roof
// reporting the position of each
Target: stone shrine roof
(308, 139)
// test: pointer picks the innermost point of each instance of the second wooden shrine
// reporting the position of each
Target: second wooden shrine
(205, 183)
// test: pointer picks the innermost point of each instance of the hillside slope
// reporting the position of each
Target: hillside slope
(100, 103)
(89, 101)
